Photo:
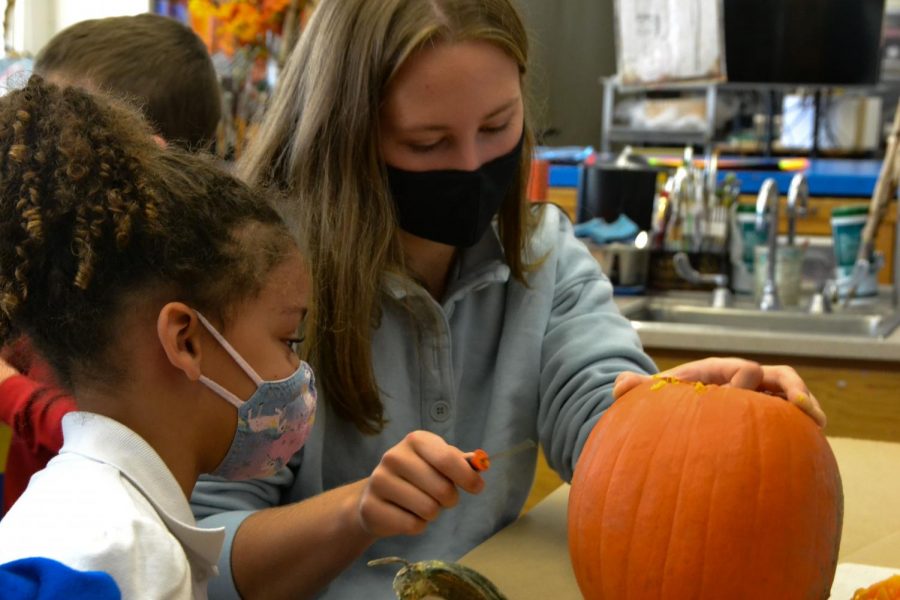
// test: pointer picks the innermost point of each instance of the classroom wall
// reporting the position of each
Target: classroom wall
(572, 47)
(36, 21)
(69, 12)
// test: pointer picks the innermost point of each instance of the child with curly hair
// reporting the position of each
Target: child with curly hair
(162, 67)
(167, 296)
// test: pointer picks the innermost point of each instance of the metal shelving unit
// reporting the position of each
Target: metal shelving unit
(706, 138)
(630, 135)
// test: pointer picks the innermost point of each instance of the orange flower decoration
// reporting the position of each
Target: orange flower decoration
(240, 22)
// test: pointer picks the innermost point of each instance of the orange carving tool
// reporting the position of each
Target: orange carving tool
(481, 461)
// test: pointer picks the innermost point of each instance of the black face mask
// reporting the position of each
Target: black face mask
(453, 207)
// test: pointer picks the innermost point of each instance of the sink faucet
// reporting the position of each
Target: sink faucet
(721, 295)
(823, 301)
(797, 202)
(767, 202)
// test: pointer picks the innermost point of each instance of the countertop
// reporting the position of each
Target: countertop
(722, 340)
(529, 559)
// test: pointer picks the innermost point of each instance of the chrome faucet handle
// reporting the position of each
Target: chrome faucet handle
(721, 295)
(825, 299)
(722, 298)
(767, 216)
(797, 204)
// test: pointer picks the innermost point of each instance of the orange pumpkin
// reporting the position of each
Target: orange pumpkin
(888, 589)
(704, 492)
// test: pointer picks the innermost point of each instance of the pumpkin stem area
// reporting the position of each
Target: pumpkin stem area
(662, 382)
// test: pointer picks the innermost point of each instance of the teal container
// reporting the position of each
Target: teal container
(847, 223)
(747, 234)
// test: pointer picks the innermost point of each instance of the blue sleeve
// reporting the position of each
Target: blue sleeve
(45, 579)
(218, 502)
(586, 345)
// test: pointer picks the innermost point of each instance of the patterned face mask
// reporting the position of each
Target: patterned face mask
(273, 423)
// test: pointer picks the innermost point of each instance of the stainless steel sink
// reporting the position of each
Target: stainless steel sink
(870, 320)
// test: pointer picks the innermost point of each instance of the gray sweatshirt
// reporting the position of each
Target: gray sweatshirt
(495, 363)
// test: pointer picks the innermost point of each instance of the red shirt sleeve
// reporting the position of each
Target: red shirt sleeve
(34, 412)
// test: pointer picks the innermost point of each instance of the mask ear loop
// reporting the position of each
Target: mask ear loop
(243, 364)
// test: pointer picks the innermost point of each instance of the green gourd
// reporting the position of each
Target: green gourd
(438, 579)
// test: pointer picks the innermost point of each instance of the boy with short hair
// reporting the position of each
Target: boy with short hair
(152, 61)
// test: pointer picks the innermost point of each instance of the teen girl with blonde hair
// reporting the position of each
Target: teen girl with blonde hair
(445, 310)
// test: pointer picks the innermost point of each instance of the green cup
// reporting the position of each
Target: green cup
(750, 238)
(847, 223)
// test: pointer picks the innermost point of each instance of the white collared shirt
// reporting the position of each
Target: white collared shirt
(108, 503)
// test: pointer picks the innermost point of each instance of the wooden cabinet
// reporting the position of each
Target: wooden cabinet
(566, 198)
(860, 398)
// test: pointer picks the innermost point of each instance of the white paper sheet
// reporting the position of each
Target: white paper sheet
(850, 577)
(665, 40)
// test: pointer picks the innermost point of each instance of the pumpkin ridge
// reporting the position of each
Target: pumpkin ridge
(714, 486)
(695, 411)
(693, 403)
(817, 514)
(821, 511)
(783, 419)
(704, 577)
(790, 448)
(757, 435)
(626, 551)
(835, 482)
(758, 471)
(612, 471)
(602, 426)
